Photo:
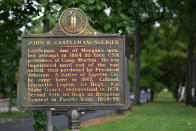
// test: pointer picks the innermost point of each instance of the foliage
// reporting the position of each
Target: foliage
(13, 16)
(185, 12)
(173, 53)
(94, 9)
(40, 120)
(142, 13)
(187, 27)
(151, 60)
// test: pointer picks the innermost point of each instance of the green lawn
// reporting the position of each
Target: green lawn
(13, 114)
(162, 115)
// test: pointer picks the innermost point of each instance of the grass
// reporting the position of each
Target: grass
(13, 114)
(162, 115)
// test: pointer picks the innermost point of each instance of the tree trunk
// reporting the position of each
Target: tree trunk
(46, 24)
(137, 62)
(176, 96)
(152, 96)
(189, 83)
(194, 100)
(10, 100)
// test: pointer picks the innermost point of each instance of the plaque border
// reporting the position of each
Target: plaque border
(89, 106)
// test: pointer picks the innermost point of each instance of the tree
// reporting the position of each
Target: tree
(151, 60)
(132, 16)
(13, 16)
(189, 82)
(186, 19)
(194, 100)
(145, 13)
(183, 13)
(173, 52)
(131, 12)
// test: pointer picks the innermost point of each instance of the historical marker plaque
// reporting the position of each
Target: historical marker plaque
(73, 67)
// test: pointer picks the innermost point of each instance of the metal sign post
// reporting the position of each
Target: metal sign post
(74, 118)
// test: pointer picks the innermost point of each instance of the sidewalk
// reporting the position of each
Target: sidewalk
(4, 105)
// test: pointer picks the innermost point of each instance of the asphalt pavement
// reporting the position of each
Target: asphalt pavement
(60, 121)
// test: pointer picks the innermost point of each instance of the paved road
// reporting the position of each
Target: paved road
(26, 124)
